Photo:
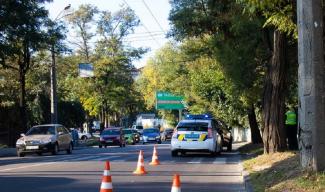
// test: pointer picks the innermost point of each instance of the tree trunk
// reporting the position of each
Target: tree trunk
(311, 132)
(274, 137)
(22, 101)
(255, 132)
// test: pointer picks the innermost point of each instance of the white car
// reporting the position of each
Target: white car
(84, 136)
(197, 133)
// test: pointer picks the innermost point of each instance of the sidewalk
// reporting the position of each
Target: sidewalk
(10, 152)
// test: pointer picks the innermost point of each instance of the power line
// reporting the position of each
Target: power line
(145, 4)
(144, 26)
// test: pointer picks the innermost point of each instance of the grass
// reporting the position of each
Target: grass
(280, 172)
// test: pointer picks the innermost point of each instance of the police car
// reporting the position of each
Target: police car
(197, 133)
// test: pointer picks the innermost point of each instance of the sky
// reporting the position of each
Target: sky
(153, 15)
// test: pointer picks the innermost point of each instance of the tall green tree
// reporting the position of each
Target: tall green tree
(234, 39)
(23, 31)
(82, 21)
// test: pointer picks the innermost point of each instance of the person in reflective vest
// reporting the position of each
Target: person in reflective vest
(291, 129)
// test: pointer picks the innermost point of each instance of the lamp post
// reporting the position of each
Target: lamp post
(54, 102)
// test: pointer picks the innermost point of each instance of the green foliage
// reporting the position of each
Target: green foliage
(280, 14)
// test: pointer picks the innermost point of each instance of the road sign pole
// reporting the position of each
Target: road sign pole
(179, 114)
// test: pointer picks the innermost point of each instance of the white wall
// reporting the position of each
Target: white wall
(241, 134)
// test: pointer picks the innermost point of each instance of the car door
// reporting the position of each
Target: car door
(63, 136)
(67, 137)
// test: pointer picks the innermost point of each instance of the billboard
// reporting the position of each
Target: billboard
(86, 70)
(166, 100)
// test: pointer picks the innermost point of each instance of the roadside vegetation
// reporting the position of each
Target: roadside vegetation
(279, 172)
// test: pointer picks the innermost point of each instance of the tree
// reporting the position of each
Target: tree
(234, 40)
(279, 14)
(22, 33)
(81, 21)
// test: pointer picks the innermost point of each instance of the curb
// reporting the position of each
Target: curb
(246, 177)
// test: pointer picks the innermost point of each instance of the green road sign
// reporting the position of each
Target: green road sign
(166, 100)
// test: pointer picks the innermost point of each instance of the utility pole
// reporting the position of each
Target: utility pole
(54, 106)
(311, 84)
(54, 99)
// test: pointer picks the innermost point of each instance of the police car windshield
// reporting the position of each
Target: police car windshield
(192, 126)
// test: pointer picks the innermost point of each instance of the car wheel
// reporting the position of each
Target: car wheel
(55, 149)
(121, 145)
(124, 145)
(100, 146)
(159, 142)
(39, 153)
(69, 150)
(174, 153)
(84, 138)
(143, 143)
(20, 154)
(229, 146)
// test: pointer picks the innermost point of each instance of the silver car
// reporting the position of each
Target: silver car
(45, 138)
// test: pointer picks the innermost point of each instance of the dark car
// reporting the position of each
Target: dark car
(111, 136)
(45, 138)
(225, 131)
(136, 135)
(151, 135)
(167, 134)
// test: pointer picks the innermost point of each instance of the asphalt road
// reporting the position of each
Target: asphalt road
(82, 171)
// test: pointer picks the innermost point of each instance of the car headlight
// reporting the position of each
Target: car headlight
(157, 137)
(145, 137)
(20, 142)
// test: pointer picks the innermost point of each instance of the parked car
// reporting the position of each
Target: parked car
(151, 135)
(197, 133)
(225, 131)
(129, 136)
(112, 136)
(139, 128)
(167, 134)
(45, 138)
(84, 136)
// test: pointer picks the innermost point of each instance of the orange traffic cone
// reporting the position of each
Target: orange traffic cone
(154, 160)
(106, 185)
(140, 167)
(176, 184)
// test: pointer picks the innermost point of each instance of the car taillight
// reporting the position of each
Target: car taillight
(209, 132)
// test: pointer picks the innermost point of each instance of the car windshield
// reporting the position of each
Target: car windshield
(42, 130)
(139, 127)
(169, 130)
(150, 131)
(192, 126)
(127, 131)
(111, 132)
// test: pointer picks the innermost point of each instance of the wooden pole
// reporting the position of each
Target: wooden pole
(311, 84)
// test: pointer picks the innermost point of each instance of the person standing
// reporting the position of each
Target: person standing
(291, 129)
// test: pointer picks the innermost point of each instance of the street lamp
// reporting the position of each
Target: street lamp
(54, 102)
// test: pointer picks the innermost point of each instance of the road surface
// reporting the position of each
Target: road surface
(82, 171)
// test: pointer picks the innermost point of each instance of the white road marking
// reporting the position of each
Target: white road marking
(195, 160)
(220, 160)
(82, 158)
(27, 166)
(105, 158)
